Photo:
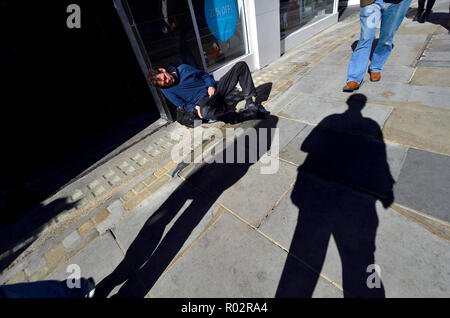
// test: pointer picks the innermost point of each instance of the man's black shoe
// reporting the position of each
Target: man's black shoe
(424, 17)
(248, 114)
(250, 106)
(259, 108)
(417, 16)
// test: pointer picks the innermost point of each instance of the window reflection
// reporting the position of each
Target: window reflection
(295, 14)
(222, 30)
(167, 31)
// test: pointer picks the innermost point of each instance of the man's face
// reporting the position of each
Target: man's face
(165, 79)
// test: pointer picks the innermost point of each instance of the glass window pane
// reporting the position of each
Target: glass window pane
(295, 14)
(167, 31)
(222, 29)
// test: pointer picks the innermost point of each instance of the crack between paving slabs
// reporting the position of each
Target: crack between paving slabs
(424, 47)
(411, 215)
(213, 221)
(287, 251)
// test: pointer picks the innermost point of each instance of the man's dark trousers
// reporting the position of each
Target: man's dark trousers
(215, 107)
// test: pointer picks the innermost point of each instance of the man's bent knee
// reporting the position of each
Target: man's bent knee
(241, 65)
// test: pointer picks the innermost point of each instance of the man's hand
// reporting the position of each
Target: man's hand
(211, 91)
(198, 111)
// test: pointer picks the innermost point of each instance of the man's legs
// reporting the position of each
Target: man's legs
(391, 19)
(369, 19)
(238, 73)
(421, 7)
(430, 4)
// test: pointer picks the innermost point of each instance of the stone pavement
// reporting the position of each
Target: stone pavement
(361, 184)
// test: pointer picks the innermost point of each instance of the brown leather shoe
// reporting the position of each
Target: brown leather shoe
(351, 86)
(375, 76)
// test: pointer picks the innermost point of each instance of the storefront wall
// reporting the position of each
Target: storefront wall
(274, 27)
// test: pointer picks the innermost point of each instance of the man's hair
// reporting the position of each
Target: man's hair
(153, 80)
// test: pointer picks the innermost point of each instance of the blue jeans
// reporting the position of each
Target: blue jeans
(391, 16)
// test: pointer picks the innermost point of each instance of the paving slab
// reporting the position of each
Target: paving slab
(413, 29)
(316, 210)
(233, 260)
(313, 110)
(342, 147)
(436, 55)
(395, 74)
(326, 71)
(426, 63)
(435, 76)
(282, 225)
(419, 126)
(293, 153)
(405, 41)
(338, 57)
(413, 261)
(97, 260)
(333, 228)
(377, 92)
(282, 100)
(402, 58)
(242, 188)
(287, 129)
(311, 85)
(423, 184)
(430, 95)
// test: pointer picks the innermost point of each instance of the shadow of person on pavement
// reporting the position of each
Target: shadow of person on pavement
(344, 174)
(441, 18)
(17, 236)
(165, 232)
(75, 288)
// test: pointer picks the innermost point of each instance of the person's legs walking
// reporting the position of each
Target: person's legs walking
(369, 19)
(420, 8)
(430, 4)
(391, 19)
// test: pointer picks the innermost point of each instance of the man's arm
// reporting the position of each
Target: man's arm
(177, 101)
(209, 80)
(197, 108)
(206, 77)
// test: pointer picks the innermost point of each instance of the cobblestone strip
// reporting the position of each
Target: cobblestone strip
(39, 268)
(85, 199)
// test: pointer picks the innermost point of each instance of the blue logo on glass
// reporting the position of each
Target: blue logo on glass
(221, 17)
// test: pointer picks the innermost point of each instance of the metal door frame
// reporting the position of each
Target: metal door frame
(141, 54)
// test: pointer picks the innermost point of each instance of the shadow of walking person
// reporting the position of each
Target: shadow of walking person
(338, 184)
(166, 231)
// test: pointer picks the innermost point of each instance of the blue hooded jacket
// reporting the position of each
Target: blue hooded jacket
(190, 86)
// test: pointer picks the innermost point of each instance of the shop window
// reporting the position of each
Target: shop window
(167, 31)
(295, 14)
(222, 30)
